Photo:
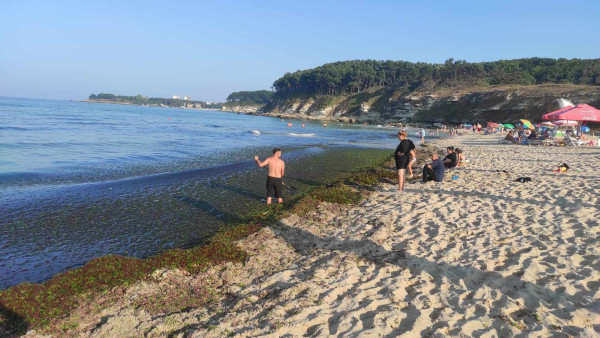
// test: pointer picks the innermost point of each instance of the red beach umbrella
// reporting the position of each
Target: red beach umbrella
(493, 125)
(565, 123)
(582, 112)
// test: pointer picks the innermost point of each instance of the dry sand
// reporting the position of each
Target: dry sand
(480, 256)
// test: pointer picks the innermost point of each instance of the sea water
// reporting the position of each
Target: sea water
(80, 180)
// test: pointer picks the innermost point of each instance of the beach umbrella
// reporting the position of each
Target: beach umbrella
(582, 112)
(585, 129)
(493, 125)
(527, 124)
(565, 123)
(509, 126)
(547, 124)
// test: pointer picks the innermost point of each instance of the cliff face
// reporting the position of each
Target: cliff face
(242, 109)
(503, 104)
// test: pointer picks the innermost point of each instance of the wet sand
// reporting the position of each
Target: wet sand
(50, 230)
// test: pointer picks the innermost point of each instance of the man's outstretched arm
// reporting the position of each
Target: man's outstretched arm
(261, 164)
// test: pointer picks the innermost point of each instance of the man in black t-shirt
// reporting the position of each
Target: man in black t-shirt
(451, 160)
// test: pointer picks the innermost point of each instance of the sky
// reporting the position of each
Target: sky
(208, 49)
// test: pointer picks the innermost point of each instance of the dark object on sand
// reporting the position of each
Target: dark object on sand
(523, 179)
(562, 168)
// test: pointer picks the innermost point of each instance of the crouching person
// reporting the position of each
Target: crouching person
(433, 171)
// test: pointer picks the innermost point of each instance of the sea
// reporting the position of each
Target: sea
(80, 180)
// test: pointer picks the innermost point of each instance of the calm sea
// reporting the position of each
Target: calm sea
(81, 180)
(91, 141)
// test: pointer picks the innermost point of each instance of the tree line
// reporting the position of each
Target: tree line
(153, 101)
(257, 97)
(348, 77)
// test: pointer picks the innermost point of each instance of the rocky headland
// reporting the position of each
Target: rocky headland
(467, 104)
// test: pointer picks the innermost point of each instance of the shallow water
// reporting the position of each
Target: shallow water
(78, 180)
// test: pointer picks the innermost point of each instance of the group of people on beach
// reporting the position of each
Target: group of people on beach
(405, 156)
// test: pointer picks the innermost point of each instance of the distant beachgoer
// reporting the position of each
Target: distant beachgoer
(546, 134)
(533, 135)
(276, 168)
(510, 137)
(324, 125)
(422, 135)
(451, 160)
(460, 157)
(402, 156)
(302, 125)
(433, 171)
(289, 124)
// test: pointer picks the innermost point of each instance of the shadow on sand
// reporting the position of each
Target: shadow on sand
(11, 324)
(511, 287)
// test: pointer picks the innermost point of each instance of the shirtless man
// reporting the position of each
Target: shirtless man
(276, 168)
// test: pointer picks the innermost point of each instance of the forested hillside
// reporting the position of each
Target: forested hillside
(349, 77)
(380, 91)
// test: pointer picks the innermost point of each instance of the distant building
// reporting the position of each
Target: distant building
(197, 105)
(187, 98)
(176, 97)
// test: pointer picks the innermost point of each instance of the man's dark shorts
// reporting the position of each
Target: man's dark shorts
(274, 187)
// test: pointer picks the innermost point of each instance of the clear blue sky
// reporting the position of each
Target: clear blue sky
(207, 49)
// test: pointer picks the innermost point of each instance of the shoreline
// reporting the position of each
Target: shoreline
(141, 105)
(261, 214)
(477, 254)
(193, 204)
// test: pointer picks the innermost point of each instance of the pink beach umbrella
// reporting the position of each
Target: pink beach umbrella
(565, 123)
(582, 112)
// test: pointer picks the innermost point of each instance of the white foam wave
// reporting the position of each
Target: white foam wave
(300, 134)
(255, 132)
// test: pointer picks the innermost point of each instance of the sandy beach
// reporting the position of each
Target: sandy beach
(480, 256)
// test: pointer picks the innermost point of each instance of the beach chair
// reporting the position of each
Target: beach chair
(569, 141)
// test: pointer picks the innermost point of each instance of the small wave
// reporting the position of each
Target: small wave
(255, 132)
(13, 128)
(300, 134)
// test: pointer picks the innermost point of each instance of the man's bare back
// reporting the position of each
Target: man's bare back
(275, 165)
(276, 169)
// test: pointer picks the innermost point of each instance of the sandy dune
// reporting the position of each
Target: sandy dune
(481, 256)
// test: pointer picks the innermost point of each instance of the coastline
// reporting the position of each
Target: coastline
(256, 111)
(141, 105)
(480, 254)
